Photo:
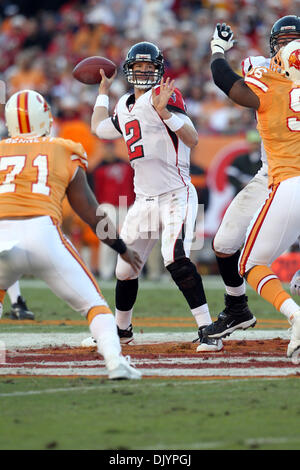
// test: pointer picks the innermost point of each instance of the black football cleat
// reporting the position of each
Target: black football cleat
(235, 316)
(126, 336)
(207, 344)
(19, 310)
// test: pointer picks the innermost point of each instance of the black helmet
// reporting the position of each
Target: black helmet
(144, 52)
(287, 27)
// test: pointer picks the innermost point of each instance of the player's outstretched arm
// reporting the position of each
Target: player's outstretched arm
(224, 77)
(84, 203)
(100, 112)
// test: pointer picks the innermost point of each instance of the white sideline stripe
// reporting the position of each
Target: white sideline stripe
(164, 360)
(253, 372)
(42, 340)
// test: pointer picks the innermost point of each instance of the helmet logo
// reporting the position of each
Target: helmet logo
(284, 28)
(173, 97)
(294, 59)
(143, 56)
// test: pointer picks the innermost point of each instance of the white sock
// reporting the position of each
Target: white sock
(236, 291)
(289, 307)
(202, 315)
(123, 318)
(14, 292)
(1, 309)
(104, 330)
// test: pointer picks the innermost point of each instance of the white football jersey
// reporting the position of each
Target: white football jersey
(247, 64)
(160, 160)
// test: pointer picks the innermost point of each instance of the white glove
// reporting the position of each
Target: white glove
(222, 39)
(295, 284)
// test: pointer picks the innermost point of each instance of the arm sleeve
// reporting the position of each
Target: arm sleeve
(107, 130)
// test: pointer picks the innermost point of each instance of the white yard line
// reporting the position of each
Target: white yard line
(42, 340)
(161, 361)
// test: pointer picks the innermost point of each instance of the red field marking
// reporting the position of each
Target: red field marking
(238, 359)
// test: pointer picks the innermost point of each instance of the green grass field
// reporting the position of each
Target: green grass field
(170, 414)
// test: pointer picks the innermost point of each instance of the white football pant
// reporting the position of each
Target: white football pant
(274, 227)
(37, 247)
(232, 231)
(170, 217)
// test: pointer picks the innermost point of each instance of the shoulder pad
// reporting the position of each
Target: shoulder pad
(73, 147)
(254, 61)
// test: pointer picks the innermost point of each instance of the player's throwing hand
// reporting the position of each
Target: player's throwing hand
(105, 83)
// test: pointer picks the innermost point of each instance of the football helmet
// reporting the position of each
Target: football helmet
(27, 113)
(284, 30)
(144, 52)
(290, 58)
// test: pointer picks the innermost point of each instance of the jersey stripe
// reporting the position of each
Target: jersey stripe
(77, 157)
(257, 83)
(255, 231)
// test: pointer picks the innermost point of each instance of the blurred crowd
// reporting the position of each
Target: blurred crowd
(41, 42)
(41, 45)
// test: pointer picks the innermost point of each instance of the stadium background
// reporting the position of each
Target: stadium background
(42, 41)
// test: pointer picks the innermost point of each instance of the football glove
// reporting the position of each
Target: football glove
(222, 39)
(295, 284)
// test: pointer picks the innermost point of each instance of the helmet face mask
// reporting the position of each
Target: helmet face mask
(140, 53)
(28, 114)
(284, 30)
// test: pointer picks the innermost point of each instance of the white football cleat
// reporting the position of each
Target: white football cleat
(120, 368)
(293, 350)
(89, 342)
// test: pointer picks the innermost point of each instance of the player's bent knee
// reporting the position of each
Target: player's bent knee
(222, 246)
(184, 273)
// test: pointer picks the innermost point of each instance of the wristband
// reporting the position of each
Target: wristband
(102, 100)
(119, 246)
(216, 48)
(174, 123)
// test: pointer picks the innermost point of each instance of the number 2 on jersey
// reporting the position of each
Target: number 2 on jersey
(133, 131)
(17, 162)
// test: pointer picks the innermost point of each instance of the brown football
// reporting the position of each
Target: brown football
(88, 70)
